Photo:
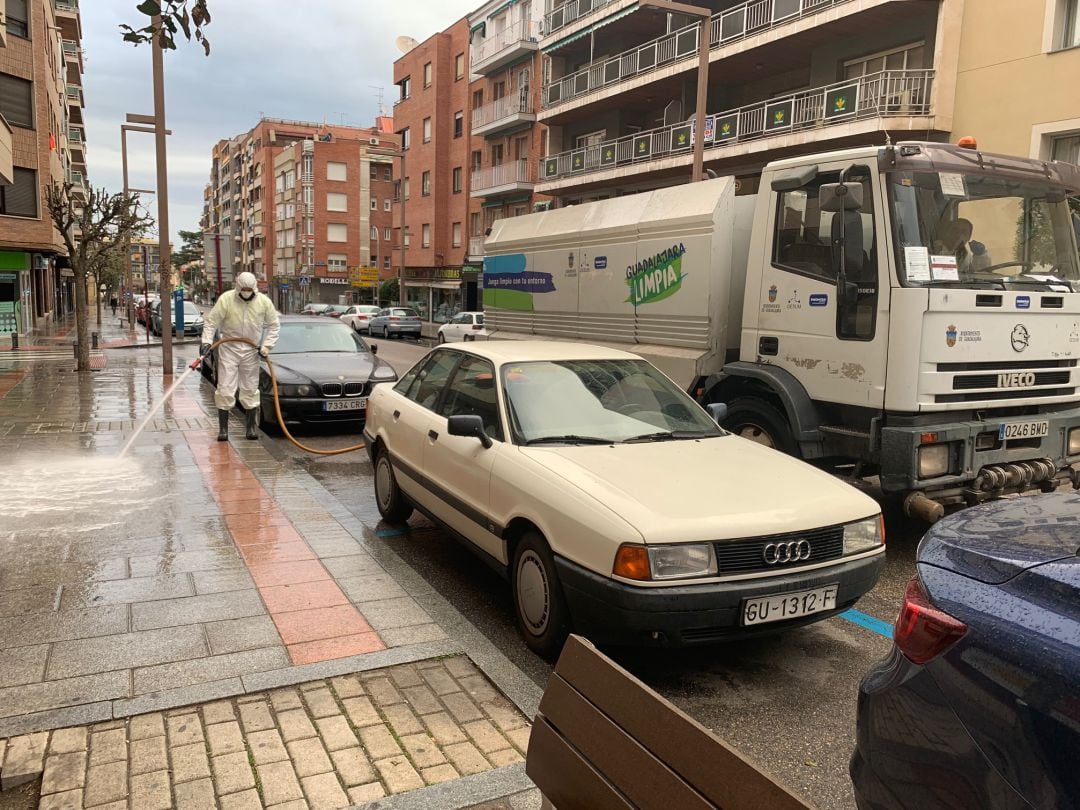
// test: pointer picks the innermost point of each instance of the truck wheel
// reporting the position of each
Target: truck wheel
(539, 604)
(757, 420)
(393, 505)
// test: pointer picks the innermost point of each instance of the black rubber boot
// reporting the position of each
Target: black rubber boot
(250, 415)
(223, 425)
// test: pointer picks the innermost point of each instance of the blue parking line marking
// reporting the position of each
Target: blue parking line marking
(871, 623)
(391, 532)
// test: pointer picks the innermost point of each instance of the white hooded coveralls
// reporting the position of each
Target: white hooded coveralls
(238, 363)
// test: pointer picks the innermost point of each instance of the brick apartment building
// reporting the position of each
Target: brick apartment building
(145, 258)
(41, 142)
(466, 115)
(276, 216)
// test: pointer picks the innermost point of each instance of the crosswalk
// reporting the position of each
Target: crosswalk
(44, 355)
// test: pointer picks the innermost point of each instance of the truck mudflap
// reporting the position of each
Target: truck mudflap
(993, 481)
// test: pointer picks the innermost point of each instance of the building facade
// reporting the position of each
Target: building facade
(506, 140)
(275, 216)
(1021, 52)
(42, 142)
(431, 120)
(145, 259)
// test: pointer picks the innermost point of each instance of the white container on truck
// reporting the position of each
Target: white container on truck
(910, 312)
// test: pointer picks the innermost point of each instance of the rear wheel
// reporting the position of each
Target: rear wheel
(759, 421)
(391, 501)
(539, 604)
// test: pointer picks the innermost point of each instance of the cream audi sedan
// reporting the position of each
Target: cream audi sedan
(611, 501)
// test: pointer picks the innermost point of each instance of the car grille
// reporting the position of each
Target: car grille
(745, 556)
(355, 389)
(331, 389)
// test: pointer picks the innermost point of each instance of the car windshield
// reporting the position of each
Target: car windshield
(599, 401)
(317, 336)
(984, 231)
(191, 312)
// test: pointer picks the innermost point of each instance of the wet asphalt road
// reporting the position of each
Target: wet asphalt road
(786, 701)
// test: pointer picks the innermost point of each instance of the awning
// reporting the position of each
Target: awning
(480, 26)
(588, 30)
(503, 7)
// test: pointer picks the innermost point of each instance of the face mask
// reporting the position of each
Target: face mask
(247, 296)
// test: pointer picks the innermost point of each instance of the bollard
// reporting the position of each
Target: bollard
(14, 341)
(93, 340)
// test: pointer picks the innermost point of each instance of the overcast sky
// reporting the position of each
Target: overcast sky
(316, 60)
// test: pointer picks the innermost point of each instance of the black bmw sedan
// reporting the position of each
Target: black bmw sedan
(325, 372)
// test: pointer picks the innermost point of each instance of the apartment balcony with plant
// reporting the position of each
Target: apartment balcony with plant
(894, 101)
(493, 50)
(505, 178)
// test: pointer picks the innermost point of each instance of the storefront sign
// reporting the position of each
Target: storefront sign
(333, 280)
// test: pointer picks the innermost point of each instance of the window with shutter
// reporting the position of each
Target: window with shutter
(17, 100)
(20, 199)
(18, 18)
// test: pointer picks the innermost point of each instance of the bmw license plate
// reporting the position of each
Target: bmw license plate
(762, 609)
(1023, 430)
(358, 404)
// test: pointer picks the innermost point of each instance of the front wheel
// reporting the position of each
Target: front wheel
(442, 338)
(539, 605)
(759, 421)
(391, 501)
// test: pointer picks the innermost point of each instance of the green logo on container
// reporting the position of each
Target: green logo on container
(657, 277)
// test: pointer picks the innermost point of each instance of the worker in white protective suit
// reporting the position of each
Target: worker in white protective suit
(244, 312)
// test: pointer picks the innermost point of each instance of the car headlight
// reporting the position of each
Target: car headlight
(864, 535)
(933, 460)
(383, 373)
(664, 562)
(294, 390)
(1072, 447)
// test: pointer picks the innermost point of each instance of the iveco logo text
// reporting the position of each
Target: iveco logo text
(794, 551)
(1015, 380)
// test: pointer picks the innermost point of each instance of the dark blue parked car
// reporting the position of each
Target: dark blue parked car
(978, 706)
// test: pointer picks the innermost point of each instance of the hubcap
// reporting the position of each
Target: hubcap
(532, 592)
(757, 434)
(383, 482)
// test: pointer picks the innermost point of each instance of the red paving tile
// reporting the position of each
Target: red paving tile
(287, 573)
(315, 619)
(267, 553)
(311, 652)
(320, 623)
(303, 596)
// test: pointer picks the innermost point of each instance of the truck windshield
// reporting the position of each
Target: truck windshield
(985, 232)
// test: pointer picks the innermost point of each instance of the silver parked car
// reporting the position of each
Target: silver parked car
(393, 321)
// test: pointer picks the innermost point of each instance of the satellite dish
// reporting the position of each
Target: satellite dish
(405, 44)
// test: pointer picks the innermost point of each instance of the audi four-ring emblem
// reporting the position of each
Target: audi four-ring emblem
(796, 550)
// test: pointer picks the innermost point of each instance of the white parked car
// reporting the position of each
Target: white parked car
(612, 501)
(359, 316)
(463, 326)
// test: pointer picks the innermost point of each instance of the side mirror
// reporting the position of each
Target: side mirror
(837, 197)
(373, 348)
(468, 425)
(717, 410)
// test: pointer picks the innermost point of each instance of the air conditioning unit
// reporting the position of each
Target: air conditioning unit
(40, 262)
(373, 141)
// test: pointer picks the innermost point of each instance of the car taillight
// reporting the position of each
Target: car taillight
(922, 631)
(477, 326)
(394, 318)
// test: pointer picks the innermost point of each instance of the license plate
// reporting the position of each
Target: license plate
(1023, 430)
(346, 404)
(762, 609)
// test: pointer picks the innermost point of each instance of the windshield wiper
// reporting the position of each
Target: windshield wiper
(669, 435)
(969, 284)
(570, 438)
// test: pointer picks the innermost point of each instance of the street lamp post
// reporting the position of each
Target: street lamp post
(704, 35)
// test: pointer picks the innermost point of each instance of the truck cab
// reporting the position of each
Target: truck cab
(913, 311)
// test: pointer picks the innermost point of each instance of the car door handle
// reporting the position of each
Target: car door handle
(769, 346)
(431, 434)
(397, 414)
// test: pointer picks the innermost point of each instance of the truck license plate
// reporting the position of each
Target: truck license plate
(783, 606)
(346, 404)
(1023, 430)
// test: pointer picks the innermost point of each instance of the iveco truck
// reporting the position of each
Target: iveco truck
(910, 312)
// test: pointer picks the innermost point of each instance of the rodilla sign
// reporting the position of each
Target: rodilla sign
(657, 277)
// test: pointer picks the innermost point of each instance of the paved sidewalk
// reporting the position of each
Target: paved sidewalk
(192, 571)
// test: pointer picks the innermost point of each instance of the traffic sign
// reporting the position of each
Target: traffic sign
(304, 281)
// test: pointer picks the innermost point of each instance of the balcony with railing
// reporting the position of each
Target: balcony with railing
(505, 46)
(564, 15)
(476, 247)
(77, 146)
(515, 175)
(503, 113)
(7, 137)
(678, 50)
(893, 94)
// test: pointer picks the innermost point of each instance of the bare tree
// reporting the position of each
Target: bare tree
(175, 18)
(91, 233)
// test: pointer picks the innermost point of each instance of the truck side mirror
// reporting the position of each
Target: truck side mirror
(718, 411)
(837, 197)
